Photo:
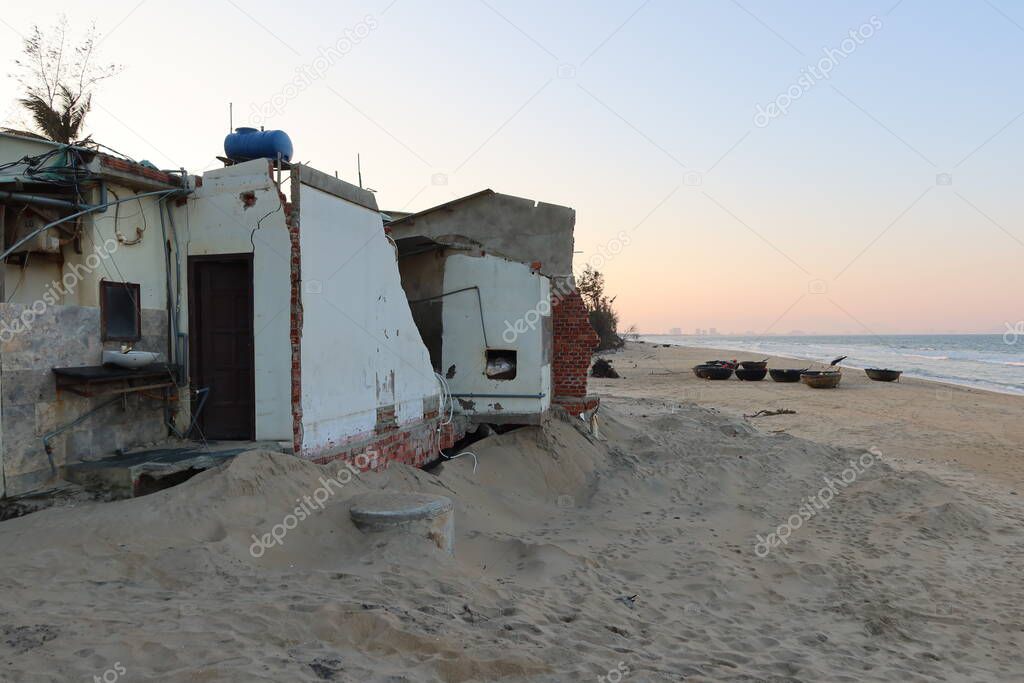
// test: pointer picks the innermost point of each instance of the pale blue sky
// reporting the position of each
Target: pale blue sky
(828, 219)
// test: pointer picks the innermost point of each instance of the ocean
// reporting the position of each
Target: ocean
(986, 361)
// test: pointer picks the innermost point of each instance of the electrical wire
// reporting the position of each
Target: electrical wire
(21, 278)
(445, 401)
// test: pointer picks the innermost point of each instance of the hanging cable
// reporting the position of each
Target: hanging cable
(445, 401)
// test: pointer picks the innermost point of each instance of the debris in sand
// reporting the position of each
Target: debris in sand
(628, 600)
(603, 368)
(769, 413)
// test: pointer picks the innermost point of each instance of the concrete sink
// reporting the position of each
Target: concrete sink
(130, 359)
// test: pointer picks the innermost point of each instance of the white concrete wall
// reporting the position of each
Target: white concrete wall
(360, 347)
(509, 291)
(217, 222)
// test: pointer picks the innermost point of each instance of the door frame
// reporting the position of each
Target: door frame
(193, 325)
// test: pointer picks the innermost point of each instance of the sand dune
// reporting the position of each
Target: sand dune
(633, 558)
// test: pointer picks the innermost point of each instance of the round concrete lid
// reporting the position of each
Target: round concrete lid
(397, 507)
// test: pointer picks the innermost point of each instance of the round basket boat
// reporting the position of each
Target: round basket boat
(754, 364)
(712, 372)
(821, 379)
(751, 374)
(785, 375)
(880, 375)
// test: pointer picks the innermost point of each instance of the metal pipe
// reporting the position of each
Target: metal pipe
(40, 200)
(479, 301)
(540, 395)
(177, 268)
(171, 317)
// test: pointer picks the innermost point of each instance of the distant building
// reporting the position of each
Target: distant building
(675, 331)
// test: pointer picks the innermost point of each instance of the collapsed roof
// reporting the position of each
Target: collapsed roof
(519, 229)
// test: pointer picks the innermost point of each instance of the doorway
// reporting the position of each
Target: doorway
(221, 345)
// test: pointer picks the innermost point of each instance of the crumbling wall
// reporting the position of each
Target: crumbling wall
(365, 375)
(423, 281)
(511, 313)
(65, 336)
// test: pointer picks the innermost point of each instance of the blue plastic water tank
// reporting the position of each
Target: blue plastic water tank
(248, 143)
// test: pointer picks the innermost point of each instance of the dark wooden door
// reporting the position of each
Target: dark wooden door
(221, 344)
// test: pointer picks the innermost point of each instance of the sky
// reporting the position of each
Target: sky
(829, 167)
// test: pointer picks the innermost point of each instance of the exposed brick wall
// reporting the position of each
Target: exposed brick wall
(575, 406)
(414, 444)
(291, 211)
(574, 342)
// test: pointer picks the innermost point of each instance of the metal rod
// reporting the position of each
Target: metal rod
(479, 301)
(49, 436)
(540, 395)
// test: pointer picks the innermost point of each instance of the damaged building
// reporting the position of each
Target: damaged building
(265, 304)
(489, 279)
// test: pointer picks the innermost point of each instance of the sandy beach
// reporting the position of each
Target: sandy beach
(963, 432)
(687, 543)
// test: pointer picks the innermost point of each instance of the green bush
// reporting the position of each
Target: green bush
(603, 317)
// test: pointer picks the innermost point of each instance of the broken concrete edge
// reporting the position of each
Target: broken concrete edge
(335, 186)
(537, 234)
(124, 481)
(121, 480)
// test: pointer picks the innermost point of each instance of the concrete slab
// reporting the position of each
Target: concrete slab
(140, 472)
(421, 514)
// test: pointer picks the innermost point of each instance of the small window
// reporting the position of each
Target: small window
(120, 313)
(501, 364)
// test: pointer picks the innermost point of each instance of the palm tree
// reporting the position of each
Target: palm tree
(60, 121)
(57, 80)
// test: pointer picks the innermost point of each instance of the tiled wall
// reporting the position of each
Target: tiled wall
(65, 336)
